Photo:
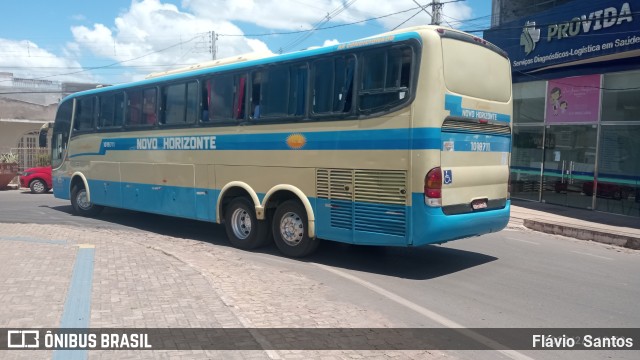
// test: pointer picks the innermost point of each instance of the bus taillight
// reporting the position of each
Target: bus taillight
(433, 187)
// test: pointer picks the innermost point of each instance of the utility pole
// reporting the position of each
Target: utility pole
(213, 47)
(436, 10)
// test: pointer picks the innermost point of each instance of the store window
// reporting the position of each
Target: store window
(620, 97)
(528, 102)
(526, 161)
(618, 185)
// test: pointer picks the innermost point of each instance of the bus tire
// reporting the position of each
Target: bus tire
(81, 205)
(291, 230)
(244, 230)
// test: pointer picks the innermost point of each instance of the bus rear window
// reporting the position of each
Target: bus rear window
(464, 76)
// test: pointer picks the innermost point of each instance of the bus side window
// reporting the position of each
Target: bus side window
(256, 92)
(192, 103)
(333, 85)
(386, 77)
(180, 103)
(118, 116)
(206, 100)
(111, 110)
(85, 114)
(323, 85)
(275, 92)
(298, 93)
(134, 108)
(346, 91)
(107, 111)
(149, 107)
(173, 104)
(221, 98)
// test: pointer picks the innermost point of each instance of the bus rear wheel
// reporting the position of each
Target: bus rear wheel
(81, 204)
(244, 230)
(290, 230)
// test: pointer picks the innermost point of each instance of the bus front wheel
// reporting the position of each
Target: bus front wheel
(244, 230)
(81, 204)
(290, 230)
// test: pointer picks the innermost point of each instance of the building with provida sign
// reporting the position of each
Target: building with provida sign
(576, 89)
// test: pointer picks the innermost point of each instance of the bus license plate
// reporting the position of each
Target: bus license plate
(479, 204)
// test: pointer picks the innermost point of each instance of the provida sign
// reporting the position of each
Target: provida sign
(562, 35)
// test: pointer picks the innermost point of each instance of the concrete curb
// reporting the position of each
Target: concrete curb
(584, 233)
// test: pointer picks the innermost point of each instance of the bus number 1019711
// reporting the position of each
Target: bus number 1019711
(480, 146)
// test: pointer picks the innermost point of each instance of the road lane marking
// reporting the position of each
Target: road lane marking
(77, 307)
(427, 313)
(596, 256)
(524, 241)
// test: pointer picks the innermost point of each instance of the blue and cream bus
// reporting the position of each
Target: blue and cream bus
(401, 139)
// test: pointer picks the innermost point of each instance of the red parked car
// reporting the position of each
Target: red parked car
(38, 179)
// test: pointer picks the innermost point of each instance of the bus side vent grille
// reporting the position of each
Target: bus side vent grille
(388, 187)
(341, 214)
(336, 185)
(381, 218)
(451, 125)
(365, 200)
(380, 201)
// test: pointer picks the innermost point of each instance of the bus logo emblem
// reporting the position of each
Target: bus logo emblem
(448, 177)
(296, 141)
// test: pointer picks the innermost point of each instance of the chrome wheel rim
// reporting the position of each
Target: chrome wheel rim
(82, 201)
(241, 224)
(38, 186)
(291, 228)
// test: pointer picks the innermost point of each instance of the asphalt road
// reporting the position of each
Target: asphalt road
(512, 279)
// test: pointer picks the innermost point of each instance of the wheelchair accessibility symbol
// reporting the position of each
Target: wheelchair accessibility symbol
(448, 177)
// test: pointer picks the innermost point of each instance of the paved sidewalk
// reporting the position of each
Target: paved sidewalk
(577, 223)
(148, 280)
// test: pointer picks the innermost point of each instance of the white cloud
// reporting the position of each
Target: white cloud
(152, 33)
(326, 43)
(331, 42)
(78, 17)
(26, 59)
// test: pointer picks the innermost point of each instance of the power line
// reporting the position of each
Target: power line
(321, 28)
(411, 17)
(115, 63)
(326, 19)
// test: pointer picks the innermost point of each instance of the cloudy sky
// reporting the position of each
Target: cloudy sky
(122, 40)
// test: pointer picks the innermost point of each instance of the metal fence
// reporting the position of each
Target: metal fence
(31, 157)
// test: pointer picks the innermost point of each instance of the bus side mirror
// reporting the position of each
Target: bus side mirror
(42, 138)
(44, 132)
